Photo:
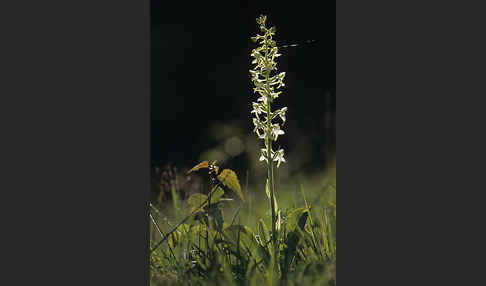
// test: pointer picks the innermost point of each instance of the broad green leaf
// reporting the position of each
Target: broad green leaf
(232, 232)
(216, 195)
(263, 250)
(293, 218)
(195, 201)
(303, 220)
(229, 179)
(293, 240)
(263, 230)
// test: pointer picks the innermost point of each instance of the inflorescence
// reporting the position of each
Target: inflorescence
(266, 87)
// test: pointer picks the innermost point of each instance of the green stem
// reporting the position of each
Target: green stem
(272, 198)
(268, 144)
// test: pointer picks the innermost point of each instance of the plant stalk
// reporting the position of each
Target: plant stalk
(268, 144)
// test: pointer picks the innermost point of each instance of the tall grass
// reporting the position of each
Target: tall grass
(241, 252)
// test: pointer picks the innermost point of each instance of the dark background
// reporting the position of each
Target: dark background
(200, 57)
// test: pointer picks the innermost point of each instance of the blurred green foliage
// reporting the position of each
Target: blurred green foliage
(228, 242)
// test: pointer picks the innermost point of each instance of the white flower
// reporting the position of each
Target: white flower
(262, 136)
(261, 98)
(258, 109)
(263, 156)
(276, 131)
(275, 94)
(256, 54)
(258, 124)
(281, 113)
(279, 157)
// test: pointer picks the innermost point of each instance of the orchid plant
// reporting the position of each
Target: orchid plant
(267, 83)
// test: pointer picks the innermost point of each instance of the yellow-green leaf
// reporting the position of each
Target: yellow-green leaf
(216, 196)
(229, 179)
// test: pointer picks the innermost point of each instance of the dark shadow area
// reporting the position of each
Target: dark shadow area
(201, 88)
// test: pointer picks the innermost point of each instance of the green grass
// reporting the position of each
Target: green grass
(231, 244)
